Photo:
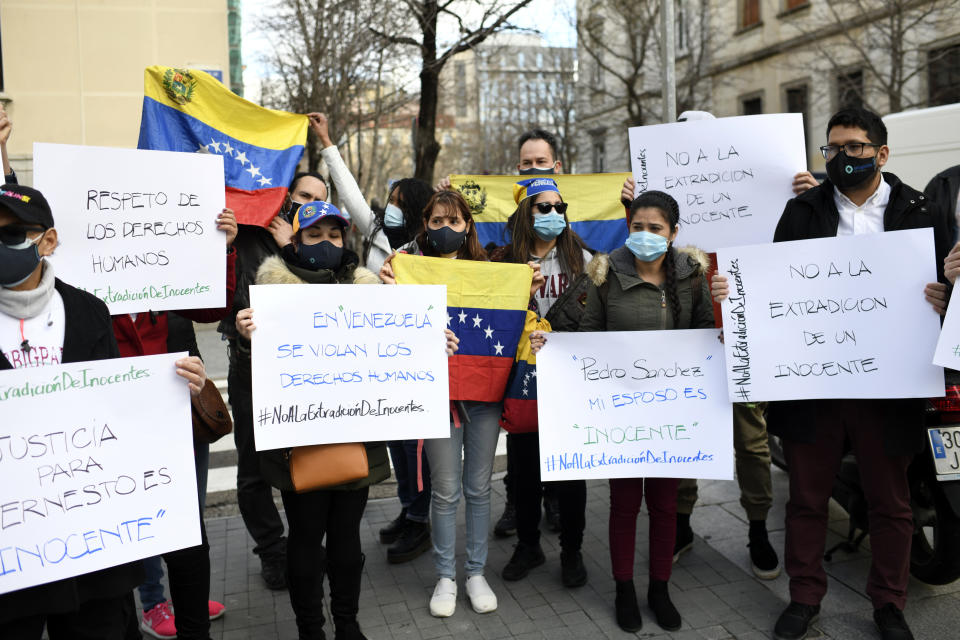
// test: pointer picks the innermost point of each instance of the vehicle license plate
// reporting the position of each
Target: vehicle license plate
(945, 449)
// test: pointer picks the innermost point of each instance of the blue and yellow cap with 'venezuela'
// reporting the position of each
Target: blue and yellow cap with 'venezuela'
(312, 212)
(526, 188)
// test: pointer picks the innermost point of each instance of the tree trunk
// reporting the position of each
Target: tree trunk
(426, 147)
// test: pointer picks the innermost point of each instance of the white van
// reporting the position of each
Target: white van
(923, 142)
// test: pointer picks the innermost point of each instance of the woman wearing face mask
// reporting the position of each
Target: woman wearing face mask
(645, 285)
(462, 463)
(540, 234)
(317, 256)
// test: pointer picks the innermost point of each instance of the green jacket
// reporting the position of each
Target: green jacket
(619, 300)
(274, 463)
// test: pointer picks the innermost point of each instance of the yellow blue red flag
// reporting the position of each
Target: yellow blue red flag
(486, 309)
(520, 401)
(595, 211)
(189, 110)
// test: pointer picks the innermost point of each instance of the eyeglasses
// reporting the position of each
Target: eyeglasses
(852, 149)
(545, 207)
(15, 234)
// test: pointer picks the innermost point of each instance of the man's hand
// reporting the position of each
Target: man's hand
(443, 185)
(719, 288)
(281, 230)
(936, 295)
(320, 126)
(626, 194)
(803, 181)
(6, 127)
(227, 222)
(951, 264)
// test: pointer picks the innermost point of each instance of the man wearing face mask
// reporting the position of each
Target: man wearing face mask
(884, 434)
(254, 495)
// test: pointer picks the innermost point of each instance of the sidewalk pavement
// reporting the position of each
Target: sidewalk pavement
(712, 585)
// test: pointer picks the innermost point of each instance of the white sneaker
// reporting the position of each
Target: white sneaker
(444, 600)
(482, 597)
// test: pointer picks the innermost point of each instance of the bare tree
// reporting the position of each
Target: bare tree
(494, 16)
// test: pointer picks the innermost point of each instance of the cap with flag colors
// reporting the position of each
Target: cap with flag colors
(486, 309)
(313, 212)
(189, 110)
(595, 212)
(534, 186)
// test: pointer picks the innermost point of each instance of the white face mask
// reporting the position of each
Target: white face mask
(392, 217)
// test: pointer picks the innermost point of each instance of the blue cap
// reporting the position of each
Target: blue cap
(312, 212)
(526, 188)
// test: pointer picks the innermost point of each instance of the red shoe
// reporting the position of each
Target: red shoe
(216, 609)
(158, 622)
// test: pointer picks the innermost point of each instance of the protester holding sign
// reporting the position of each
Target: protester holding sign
(541, 234)
(884, 434)
(647, 284)
(56, 323)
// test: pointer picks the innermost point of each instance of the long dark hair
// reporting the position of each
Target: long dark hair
(671, 213)
(414, 195)
(452, 200)
(522, 239)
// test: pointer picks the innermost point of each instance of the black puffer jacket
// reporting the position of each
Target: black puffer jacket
(813, 214)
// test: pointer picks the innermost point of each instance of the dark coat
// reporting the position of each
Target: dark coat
(813, 214)
(88, 336)
(944, 189)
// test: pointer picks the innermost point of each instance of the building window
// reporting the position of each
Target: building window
(850, 90)
(749, 13)
(682, 29)
(943, 71)
(795, 4)
(599, 154)
(460, 71)
(796, 99)
(752, 106)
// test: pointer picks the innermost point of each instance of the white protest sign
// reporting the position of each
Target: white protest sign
(348, 363)
(137, 228)
(730, 176)
(634, 404)
(947, 353)
(92, 472)
(831, 318)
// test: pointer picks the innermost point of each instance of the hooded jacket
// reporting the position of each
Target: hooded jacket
(275, 463)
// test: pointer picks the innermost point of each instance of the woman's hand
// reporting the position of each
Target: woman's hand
(227, 222)
(386, 271)
(192, 370)
(537, 340)
(719, 288)
(629, 188)
(936, 295)
(453, 342)
(951, 264)
(281, 230)
(320, 126)
(244, 323)
(538, 278)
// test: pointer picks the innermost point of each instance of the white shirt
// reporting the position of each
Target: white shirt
(44, 333)
(555, 280)
(866, 218)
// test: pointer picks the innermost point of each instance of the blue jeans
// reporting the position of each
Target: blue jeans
(403, 454)
(151, 591)
(464, 459)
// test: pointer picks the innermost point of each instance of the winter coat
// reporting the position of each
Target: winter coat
(274, 463)
(253, 245)
(88, 336)
(813, 214)
(619, 300)
(944, 189)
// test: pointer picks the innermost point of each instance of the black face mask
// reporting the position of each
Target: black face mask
(18, 264)
(847, 173)
(445, 240)
(323, 255)
(397, 237)
(530, 171)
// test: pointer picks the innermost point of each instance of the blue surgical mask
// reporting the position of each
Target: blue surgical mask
(646, 246)
(548, 225)
(392, 217)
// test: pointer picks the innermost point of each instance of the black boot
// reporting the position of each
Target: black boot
(628, 611)
(345, 578)
(659, 600)
(763, 558)
(414, 540)
(684, 541)
(390, 533)
(573, 573)
(525, 557)
(507, 524)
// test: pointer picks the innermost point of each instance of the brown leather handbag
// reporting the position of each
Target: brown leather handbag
(320, 466)
(211, 420)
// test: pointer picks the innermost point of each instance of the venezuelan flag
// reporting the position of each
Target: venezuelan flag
(188, 110)
(520, 403)
(486, 309)
(595, 211)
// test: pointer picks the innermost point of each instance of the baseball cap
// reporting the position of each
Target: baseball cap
(312, 212)
(27, 204)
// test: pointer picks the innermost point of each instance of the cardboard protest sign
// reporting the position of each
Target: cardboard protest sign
(730, 176)
(626, 404)
(831, 318)
(348, 363)
(137, 228)
(947, 353)
(91, 474)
